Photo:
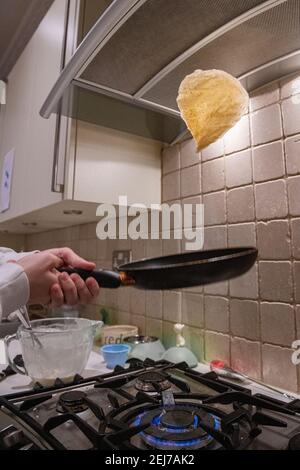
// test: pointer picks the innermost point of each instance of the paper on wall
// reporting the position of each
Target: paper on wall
(2, 92)
(7, 171)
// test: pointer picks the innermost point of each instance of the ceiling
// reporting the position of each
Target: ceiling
(18, 21)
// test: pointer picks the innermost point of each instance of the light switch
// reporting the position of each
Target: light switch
(121, 257)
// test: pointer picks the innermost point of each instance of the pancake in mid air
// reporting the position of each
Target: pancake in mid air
(211, 102)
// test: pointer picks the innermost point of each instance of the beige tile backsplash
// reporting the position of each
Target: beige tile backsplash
(249, 182)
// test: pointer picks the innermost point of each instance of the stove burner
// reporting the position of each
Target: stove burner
(177, 419)
(73, 402)
(152, 382)
(176, 428)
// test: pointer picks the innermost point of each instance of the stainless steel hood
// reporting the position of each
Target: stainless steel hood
(126, 71)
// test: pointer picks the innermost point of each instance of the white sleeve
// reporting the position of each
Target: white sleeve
(6, 254)
(14, 285)
(14, 288)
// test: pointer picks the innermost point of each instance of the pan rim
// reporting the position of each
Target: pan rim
(243, 252)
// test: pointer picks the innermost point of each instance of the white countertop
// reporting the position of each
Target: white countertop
(96, 366)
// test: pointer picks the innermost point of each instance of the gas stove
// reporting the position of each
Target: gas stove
(148, 405)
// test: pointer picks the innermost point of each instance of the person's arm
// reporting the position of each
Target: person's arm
(33, 278)
(7, 254)
(14, 288)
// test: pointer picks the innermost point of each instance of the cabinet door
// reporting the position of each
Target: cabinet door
(33, 137)
(111, 163)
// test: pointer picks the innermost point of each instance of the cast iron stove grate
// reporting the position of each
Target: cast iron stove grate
(155, 419)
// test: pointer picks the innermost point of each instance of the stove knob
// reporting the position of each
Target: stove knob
(294, 443)
(14, 438)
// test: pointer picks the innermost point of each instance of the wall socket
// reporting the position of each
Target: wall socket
(121, 257)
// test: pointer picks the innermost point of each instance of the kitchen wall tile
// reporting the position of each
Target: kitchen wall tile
(240, 204)
(124, 244)
(275, 280)
(298, 321)
(172, 306)
(215, 237)
(290, 86)
(124, 299)
(123, 318)
(195, 341)
(154, 327)
(270, 200)
(171, 246)
(277, 323)
(292, 155)
(268, 162)
(245, 286)
(246, 357)
(92, 250)
(241, 235)
(74, 232)
(192, 309)
(213, 177)
(217, 346)
(192, 239)
(238, 169)
(83, 247)
(190, 181)
(111, 299)
(273, 239)
(153, 248)
(154, 304)
(244, 319)
(138, 248)
(169, 335)
(264, 97)
(138, 302)
(188, 153)
(214, 150)
(91, 230)
(214, 208)
(295, 229)
(293, 185)
(171, 186)
(291, 115)
(266, 125)
(296, 270)
(83, 232)
(197, 207)
(276, 360)
(216, 313)
(170, 159)
(102, 247)
(217, 288)
(140, 322)
(238, 138)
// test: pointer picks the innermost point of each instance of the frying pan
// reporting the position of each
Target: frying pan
(176, 271)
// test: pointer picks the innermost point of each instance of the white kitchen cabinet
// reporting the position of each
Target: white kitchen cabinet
(111, 163)
(23, 130)
(94, 164)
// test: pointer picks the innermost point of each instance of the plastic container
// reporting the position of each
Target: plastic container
(115, 354)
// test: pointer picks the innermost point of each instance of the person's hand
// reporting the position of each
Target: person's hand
(71, 289)
(40, 269)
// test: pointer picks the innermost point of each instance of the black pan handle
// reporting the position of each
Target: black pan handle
(109, 279)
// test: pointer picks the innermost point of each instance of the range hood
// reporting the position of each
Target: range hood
(126, 71)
